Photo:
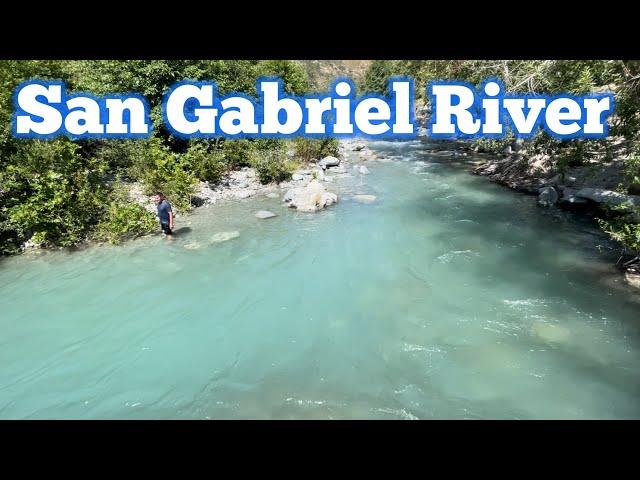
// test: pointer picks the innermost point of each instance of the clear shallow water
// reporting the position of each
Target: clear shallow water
(450, 297)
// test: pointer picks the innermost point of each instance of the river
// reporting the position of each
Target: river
(448, 297)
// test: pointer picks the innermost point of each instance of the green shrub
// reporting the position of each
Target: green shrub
(49, 194)
(204, 164)
(307, 149)
(124, 220)
(273, 166)
(623, 231)
(161, 170)
(237, 153)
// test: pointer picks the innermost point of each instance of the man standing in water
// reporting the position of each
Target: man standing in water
(165, 214)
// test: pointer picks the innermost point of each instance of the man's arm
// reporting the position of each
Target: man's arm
(170, 218)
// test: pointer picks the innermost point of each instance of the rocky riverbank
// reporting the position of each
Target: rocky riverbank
(308, 190)
(588, 188)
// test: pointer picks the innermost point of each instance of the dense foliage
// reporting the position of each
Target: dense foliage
(61, 192)
(552, 76)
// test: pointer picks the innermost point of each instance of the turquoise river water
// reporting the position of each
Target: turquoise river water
(449, 297)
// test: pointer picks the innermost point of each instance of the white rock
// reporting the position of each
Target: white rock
(549, 333)
(265, 214)
(364, 198)
(243, 194)
(363, 170)
(224, 236)
(311, 198)
(296, 177)
(608, 197)
(329, 162)
(632, 279)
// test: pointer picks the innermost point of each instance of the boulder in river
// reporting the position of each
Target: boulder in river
(548, 196)
(608, 197)
(632, 279)
(364, 198)
(363, 170)
(311, 198)
(296, 177)
(358, 147)
(224, 236)
(327, 162)
(338, 169)
(549, 333)
(265, 214)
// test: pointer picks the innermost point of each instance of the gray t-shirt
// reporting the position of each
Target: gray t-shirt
(164, 210)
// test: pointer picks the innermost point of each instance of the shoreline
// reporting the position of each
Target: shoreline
(579, 190)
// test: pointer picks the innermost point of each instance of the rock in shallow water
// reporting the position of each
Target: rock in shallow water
(363, 170)
(224, 236)
(548, 196)
(265, 214)
(364, 198)
(192, 246)
(549, 333)
(632, 279)
(311, 198)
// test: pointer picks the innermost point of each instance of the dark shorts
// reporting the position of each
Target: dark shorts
(166, 229)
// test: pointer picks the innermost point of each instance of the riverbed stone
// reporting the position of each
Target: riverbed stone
(271, 195)
(363, 170)
(632, 279)
(224, 236)
(329, 161)
(310, 198)
(548, 196)
(263, 214)
(339, 169)
(549, 332)
(364, 198)
(243, 194)
(296, 177)
(608, 197)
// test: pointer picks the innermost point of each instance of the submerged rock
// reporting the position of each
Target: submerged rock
(632, 279)
(363, 170)
(338, 169)
(192, 246)
(364, 198)
(265, 214)
(311, 198)
(549, 332)
(224, 236)
(548, 196)
(271, 195)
